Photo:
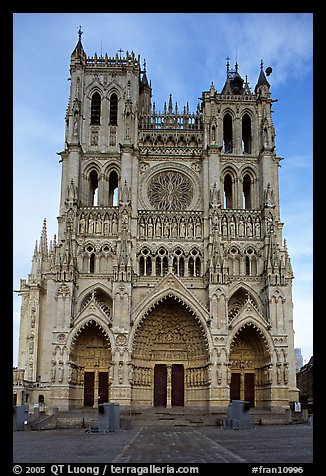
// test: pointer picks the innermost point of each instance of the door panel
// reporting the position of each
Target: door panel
(160, 381)
(103, 387)
(235, 387)
(249, 391)
(88, 389)
(177, 385)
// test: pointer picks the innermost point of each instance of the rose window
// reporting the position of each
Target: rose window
(170, 191)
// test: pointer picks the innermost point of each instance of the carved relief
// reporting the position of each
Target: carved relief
(63, 291)
(91, 348)
(103, 223)
(182, 225)
(170, 333)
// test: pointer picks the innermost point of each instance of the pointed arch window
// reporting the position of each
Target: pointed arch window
(197, 266)
(228, 201)
(113, 109)
(92, 263)
(181, 266)
(191, 266)
(247, 266)
(113, 189)
(246, 134)
(227, 134)
(247, 192)
(93, 189)
(165, 264)
(141, 266)
(158, 266)
(175, 265)
(96, 108)
(148, 266)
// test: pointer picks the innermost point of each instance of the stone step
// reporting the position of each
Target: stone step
(161, 416)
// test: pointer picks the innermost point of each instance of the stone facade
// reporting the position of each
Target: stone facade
(169, 282)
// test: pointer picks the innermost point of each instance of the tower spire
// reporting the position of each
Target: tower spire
(262, 78)
(227, 66)
(44, 240)
(79, 50)
(170, 104)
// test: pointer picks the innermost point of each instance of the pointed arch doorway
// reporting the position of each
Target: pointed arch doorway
(250, 367)
(170, 358)
(90, 359)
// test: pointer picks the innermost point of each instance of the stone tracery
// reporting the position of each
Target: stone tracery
(170, 191)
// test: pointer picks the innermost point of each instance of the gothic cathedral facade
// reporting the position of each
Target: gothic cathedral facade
(168, 283)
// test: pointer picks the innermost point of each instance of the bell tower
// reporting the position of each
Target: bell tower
(245, 243)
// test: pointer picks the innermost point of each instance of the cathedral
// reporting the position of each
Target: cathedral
(168, 283)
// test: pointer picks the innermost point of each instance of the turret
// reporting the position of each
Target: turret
(145, 93)
(262, 87)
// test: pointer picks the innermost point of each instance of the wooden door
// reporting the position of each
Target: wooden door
(177, 399)
(160, 381)
(249, 390)
(235, 386)
(88, 389)
(103, 387)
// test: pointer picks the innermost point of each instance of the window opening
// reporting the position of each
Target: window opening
(227, 134)
(148, 266)
(191, 266)
(197, 263)
(181, 266)
(113, 189)
(165, 266)
(246, 134)
(141, 266)
(92, 263)
(247, 266)
(158, 266)
(175, 265)
(246, 192)
(96, 109)
(93, 189)
(114, 110)
(228, 191)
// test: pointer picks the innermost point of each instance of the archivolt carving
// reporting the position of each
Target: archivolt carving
(90, 348)
(170, 333)
(92, 323)
(262, 343)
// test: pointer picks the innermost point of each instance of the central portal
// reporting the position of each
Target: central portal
(169, 385)
(170, 358)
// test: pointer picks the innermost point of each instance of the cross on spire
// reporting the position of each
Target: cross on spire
(80, 32)
(120, 51)
(227, 65)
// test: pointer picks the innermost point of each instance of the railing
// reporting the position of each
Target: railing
(129, 60)
(184, 122)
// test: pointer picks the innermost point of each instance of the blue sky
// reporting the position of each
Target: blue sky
(184, 53)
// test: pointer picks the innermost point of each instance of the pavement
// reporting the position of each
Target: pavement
(281, 444)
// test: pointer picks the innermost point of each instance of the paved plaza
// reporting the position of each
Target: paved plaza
(262, 444)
